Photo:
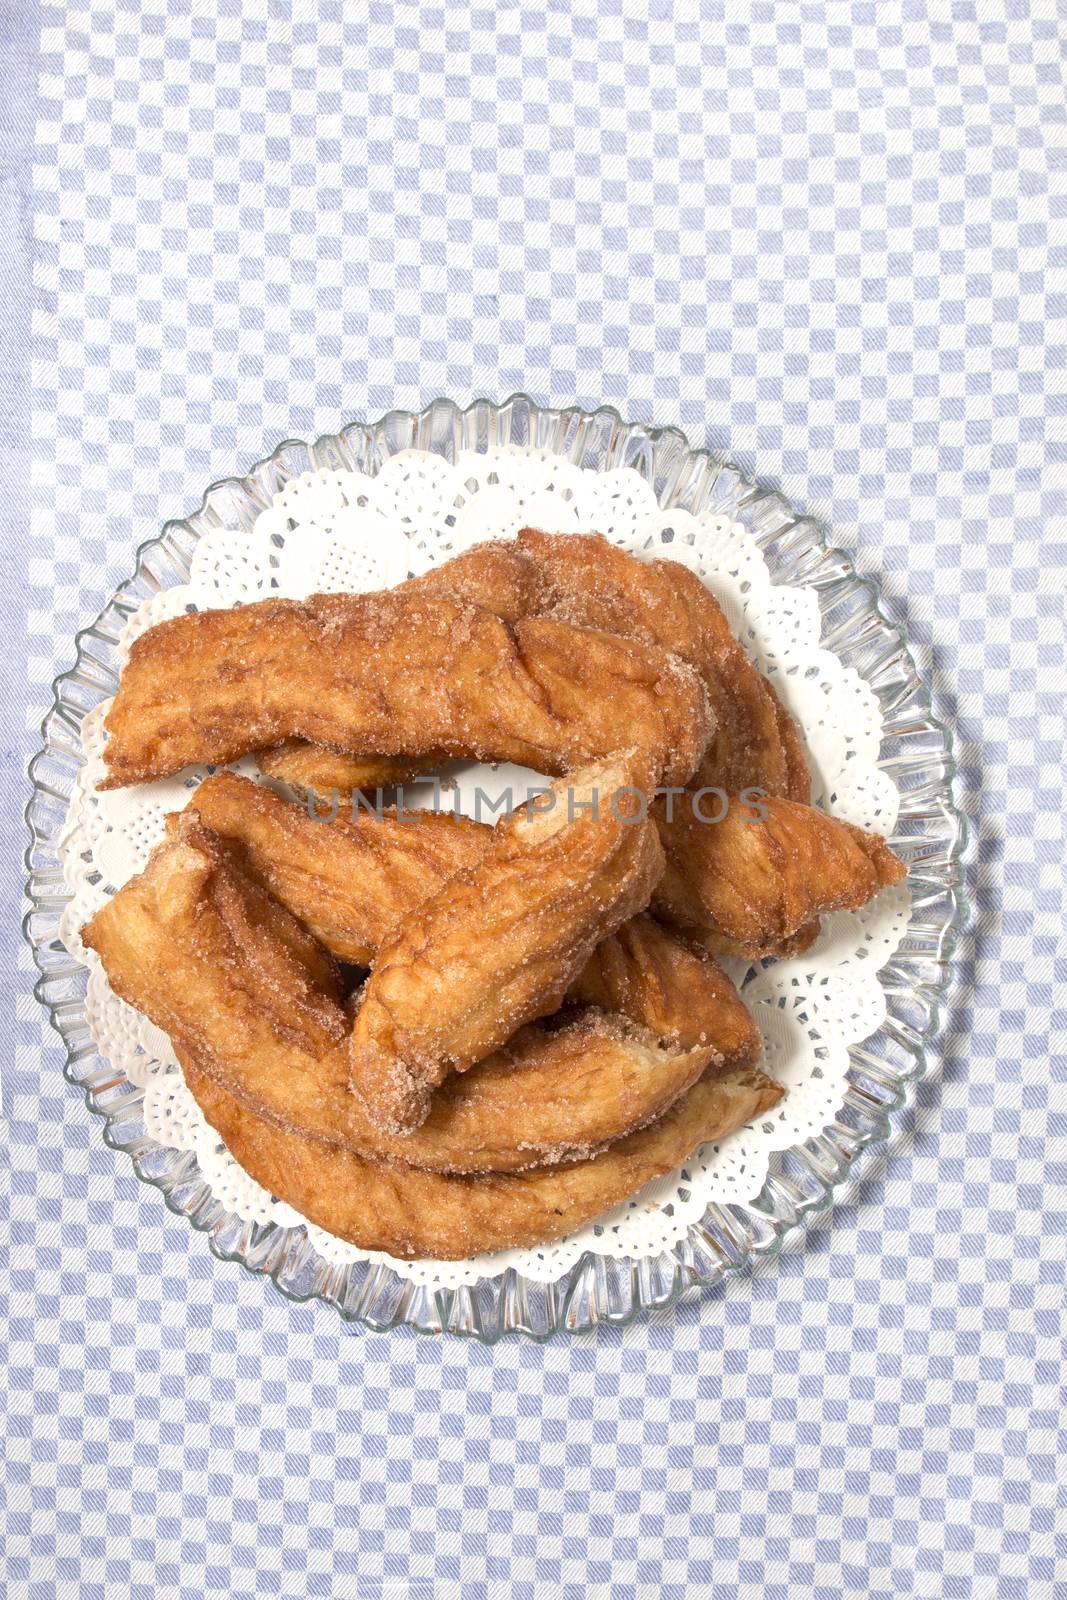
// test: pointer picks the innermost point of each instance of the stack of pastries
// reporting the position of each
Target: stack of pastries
(432, 1036)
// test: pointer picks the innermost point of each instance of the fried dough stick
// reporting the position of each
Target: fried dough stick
(671, 987)
(584, 580)
(352, 883)
(413, 1214)
(500, 944)
(248, 995)
(754, 888)
(397, 674)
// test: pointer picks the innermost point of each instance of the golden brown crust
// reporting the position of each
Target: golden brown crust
(755, 887)
(235, 981)
(353, 883)
(397, 674)
(585, 580)
(193, 909)
(312, 766)
(499, 944)
(673, 988)
(548, 1096)
(497, 575)
(412, 1214)
(551, 651)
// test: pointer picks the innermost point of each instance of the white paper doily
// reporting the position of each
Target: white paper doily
(340, 530)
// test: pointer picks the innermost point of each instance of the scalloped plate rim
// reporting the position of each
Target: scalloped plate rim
(782, 1232)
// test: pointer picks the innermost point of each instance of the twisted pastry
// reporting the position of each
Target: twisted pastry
(354, 883)
(397, 673)
(500, 944)
(414, 1214)
(583, 580)
(757, 887)
(252, 1001)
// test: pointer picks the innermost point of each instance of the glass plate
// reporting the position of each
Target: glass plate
(916, 749)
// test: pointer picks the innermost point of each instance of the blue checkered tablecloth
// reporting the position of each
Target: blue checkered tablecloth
(828, 238)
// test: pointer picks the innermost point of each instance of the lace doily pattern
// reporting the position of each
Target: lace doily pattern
(338, 529)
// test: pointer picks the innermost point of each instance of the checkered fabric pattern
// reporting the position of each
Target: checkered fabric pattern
(830, 239)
